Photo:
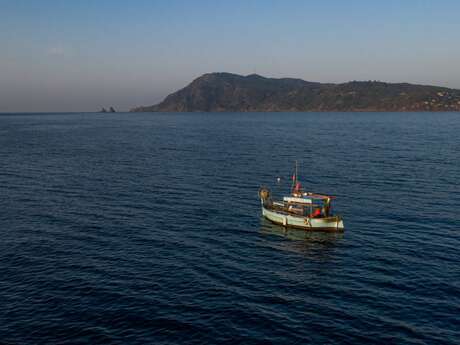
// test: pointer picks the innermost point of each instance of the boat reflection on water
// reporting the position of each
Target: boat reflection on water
(301, 241)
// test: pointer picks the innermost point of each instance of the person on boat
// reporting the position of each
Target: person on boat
(327, 207)
(316, 213)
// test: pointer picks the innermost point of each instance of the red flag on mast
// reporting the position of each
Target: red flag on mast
(297, 187)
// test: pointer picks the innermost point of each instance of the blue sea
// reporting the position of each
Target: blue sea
(146, 229)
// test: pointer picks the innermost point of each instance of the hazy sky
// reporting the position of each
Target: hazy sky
(80, 55)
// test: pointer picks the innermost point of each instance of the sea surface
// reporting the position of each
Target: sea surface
(147, 229)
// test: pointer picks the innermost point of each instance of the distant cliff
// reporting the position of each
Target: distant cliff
(231, 92)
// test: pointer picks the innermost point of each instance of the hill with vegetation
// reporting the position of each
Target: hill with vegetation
(219, 92)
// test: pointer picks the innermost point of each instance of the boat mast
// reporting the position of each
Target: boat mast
(296, 171)
(294, 178)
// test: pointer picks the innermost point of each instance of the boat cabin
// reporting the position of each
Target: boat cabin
(306, 205)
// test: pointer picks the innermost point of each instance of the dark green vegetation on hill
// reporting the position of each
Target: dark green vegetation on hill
(232, 92)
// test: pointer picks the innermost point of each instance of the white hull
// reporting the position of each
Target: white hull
(334, 223)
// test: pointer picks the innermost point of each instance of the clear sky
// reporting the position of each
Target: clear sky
(81, 55)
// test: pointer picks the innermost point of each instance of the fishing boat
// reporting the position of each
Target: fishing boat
(303, 210)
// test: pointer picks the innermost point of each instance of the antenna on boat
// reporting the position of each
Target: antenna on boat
(294, 178)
